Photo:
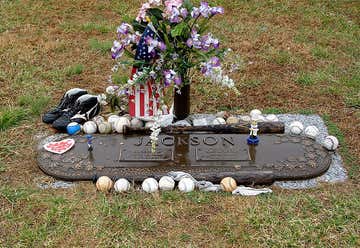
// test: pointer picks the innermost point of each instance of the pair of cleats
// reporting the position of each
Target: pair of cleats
(75, 106)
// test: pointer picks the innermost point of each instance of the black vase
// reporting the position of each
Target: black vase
(182, 103)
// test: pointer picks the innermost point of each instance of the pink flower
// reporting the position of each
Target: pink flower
(142, 12)
(169, 4)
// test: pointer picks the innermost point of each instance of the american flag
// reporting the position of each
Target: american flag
(143, 101)
(142, 51)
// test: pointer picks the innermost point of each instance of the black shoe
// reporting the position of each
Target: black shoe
(66, 102)
(85, 108)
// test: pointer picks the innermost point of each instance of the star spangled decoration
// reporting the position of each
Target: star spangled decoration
(142, 51)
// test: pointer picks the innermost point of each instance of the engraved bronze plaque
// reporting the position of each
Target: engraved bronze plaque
(206, 156)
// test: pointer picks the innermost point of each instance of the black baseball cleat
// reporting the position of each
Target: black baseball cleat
(85, 108)
(66, 102)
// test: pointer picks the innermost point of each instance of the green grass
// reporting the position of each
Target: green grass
(350, 159)
(100, 46)
(74, 70)
(11, 116)
(97, 27)
(35, 104)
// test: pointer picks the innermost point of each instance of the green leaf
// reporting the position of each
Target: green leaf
(179, 29)
(188, 5)
(138, 26)
(155, 12)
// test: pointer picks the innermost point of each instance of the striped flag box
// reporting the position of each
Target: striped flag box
(143, 99)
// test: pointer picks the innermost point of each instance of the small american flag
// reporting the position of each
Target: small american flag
(142, 51)
(143, 99)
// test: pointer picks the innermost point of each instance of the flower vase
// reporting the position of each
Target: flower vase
(182, 102)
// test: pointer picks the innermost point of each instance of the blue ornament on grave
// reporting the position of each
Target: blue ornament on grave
(73, 128)
(253, 140)
(89, 138)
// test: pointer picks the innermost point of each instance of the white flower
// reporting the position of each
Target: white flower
(102, 99)
(110, 90)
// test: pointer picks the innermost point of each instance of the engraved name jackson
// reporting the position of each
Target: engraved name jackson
(186, 148)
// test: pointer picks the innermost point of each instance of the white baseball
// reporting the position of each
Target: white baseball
(271, 117)
(245, 118)
(255, 112)
(121, 123)
(122, 185)
(331, 143)
(311, 132)
(127, 116)
(166, 183)
(296, 127)
(112, 119)
(149, 124)
(219, 121)
(150, 185)
(90, 127)
(186, 185)
(104, 184)
(105, 127)
(98, 119)
(136, 123)
(232, 120)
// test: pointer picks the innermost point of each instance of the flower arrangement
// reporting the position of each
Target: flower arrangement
(177, 42)
(165, 42)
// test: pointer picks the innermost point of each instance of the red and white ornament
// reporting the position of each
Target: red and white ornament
(60, 147)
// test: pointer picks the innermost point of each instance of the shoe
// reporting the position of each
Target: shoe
(85, 108)
(66, 102)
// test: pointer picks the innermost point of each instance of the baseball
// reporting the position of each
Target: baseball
(296, 127)
(219, 121)
(90, 127)
(73, 128)
(271, 117)
(105, 127)
(121, 123)
(122, 185)
(136, 123)
(245, 118)
(149, 124)
(255, 112)
(112, 119)
(186, 185)
(104, 184)
(127, 116)
(311, 132)
(98, 119)
(150, 185)
(331, 143)
(232, 120)
(166, 183)
(228, 184)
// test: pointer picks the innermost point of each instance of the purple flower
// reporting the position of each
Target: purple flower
(190, 42)
(177, 80)
(161, 46)
(171, 77)
(195, 13)
(216, 10)
(204, 9)
(174, 15)
(214, 61)
(117, 50)
(124, 28)
(184, 13)
(208, 67)
(152, 44)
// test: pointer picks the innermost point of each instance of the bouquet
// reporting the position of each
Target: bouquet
(163, 45)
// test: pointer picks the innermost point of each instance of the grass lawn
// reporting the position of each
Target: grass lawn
(296, 57)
